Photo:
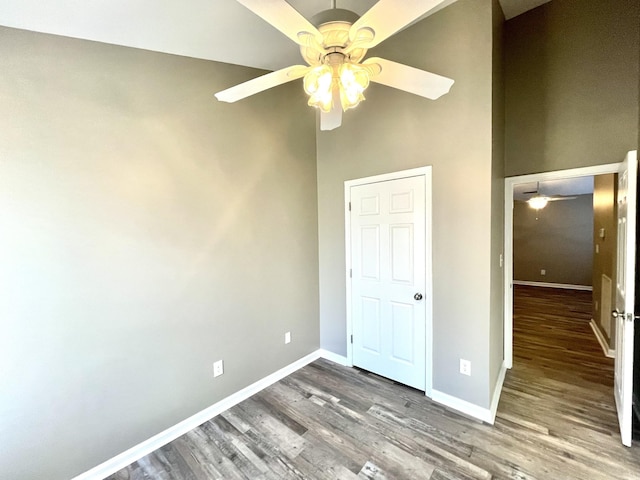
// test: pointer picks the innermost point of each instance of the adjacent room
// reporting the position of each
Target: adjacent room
(568, 242)
(152, 236)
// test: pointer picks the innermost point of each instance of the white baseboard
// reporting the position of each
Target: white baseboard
(146, 447)
(462, 406)
(565, 286)
(608, 352)
(487, 415)
(334, 357)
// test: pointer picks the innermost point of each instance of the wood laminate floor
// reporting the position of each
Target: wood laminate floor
(556, 419)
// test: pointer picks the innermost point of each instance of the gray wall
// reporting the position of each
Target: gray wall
(571, 85)
(146, 231)
(558, 239)
(496, 345)
(604, 262)
(393, 131)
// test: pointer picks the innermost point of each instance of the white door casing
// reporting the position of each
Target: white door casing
(625, 297)
(510, 183)
(388, 265)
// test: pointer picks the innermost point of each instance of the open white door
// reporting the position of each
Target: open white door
(625, 298)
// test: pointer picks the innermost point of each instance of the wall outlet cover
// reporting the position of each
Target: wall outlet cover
(218, 368)
(287, 337)
(465, 367)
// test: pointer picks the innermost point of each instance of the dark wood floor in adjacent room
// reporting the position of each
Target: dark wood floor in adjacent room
(556, 419)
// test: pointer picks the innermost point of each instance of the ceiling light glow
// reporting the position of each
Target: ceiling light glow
(538, 202)
(347, 80)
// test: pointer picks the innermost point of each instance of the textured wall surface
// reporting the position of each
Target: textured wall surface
(604, 262)
(557, 239)
(571, 85)
(147, 231)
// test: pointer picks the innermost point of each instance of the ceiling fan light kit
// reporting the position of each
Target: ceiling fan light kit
(336, 76)
(336, 81)
(538, 202)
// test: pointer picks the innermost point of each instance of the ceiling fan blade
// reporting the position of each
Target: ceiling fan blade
(283, 17)
(409, 79)
(331, 120)
(388, 16)
(554, 199)
(262, 83)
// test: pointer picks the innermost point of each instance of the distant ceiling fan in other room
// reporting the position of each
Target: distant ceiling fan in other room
(538, 201)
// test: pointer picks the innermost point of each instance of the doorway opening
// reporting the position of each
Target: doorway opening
(511, 185)
(626, 202)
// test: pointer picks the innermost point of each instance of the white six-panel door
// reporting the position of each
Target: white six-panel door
(625, 298)
(387, 235)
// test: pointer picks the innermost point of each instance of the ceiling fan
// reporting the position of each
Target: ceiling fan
(337, 74)
(538, 201)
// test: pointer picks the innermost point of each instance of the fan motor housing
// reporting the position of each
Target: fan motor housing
(334, 24)
(334, 15)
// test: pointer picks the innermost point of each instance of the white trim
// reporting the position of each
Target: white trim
(485, 414)
(412, 172)
(428, 297)
(566, 286)
(146, 447)
(509, 184)
(495, 400)
(463, 406)
(334, 357)
(347, 247)
(608, 352)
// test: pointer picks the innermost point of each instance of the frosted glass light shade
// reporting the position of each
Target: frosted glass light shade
(353, 82)
(318, 84)
(538, 202)
(347, 80)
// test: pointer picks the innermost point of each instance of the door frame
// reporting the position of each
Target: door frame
(509, 184)
(426, 172)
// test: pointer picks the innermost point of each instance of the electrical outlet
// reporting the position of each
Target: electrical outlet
(465, 367)
(218, 368)
(287, 337)
(543, 272)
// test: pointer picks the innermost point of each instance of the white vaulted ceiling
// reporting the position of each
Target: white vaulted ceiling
(221, 30)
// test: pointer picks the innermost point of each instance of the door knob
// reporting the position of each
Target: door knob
(630, 317)
(418, 296)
